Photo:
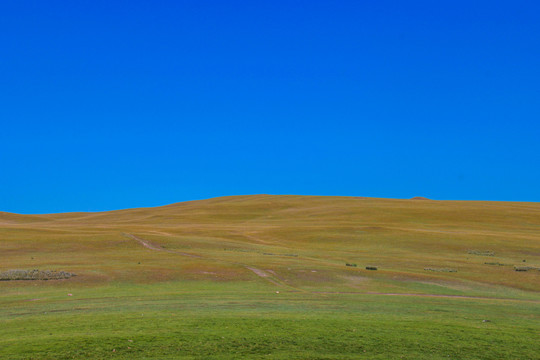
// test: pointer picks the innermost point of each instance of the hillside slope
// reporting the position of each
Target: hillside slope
(300, 242)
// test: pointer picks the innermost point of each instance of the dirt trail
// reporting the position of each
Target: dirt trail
(265, 275)
(147, 244)
(144, 243)
(261, 273)
(268, 276)
(161, 233)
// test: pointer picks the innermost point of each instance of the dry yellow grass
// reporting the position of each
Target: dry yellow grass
(301, 242)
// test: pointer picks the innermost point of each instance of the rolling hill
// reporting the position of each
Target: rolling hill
(306, 249)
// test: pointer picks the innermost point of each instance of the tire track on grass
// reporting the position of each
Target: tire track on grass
(261, 273)
(147, 244)
(272, 279)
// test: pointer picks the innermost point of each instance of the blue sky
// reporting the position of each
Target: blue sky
(117, 104)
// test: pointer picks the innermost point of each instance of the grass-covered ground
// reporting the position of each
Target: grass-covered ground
(265, 277)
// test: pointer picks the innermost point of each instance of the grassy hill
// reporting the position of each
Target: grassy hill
(266, 277)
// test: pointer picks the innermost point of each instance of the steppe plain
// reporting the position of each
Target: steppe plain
(276, 277)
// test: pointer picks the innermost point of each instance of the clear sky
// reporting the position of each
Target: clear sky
(116, 104)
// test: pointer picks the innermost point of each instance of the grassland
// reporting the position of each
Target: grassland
(264, 277)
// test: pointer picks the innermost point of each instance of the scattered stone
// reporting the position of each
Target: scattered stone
(482, 252)
(34, 275)
(272, 254)
(440, 270)
(526, 268)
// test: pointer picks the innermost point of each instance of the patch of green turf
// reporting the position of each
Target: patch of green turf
(200, 323)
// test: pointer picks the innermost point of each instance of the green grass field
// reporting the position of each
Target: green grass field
(265, 277)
